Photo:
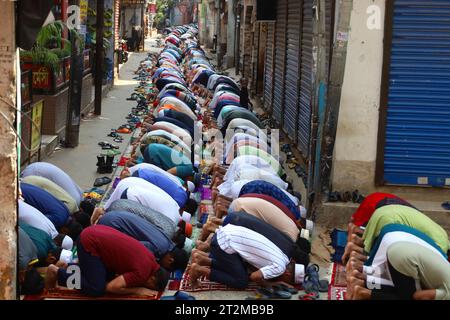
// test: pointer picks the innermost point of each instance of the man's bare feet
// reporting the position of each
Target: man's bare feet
(358, 256)
(361, 293)
(51, 277)
(97, 214)
(200, 258)
(354, 281)
(61, 264)
(194, 274)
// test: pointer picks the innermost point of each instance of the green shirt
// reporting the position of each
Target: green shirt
(55, 190)
(398, 214)
(41, 240)
(423, 265)
(252, 151)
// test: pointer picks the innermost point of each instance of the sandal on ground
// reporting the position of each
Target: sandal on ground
(101, 181)
(274, 294)
(446, 205)
(310, 296)
(283, 287)
(334, 196)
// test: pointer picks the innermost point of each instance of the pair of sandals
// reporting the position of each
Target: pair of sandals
(312, 284)
(107, 146)
(279, 291)
(101, 181)
(355, 197)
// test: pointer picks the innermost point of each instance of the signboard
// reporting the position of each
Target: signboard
(83, 16)
(36, 115)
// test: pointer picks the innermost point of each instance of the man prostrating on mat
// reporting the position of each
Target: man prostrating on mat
(112, 262)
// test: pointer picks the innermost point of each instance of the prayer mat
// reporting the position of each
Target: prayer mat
(206, 193)
(338, 284)
(69, 294)
(207, 285)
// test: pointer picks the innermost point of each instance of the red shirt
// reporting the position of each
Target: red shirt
(272, 200)
(366, 209)
(120, 253)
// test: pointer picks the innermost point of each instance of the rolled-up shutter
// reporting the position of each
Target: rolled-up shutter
(268, 67)
(116, 24)
(306, 79)
(291, 93)
(417, 143)
(280, 61)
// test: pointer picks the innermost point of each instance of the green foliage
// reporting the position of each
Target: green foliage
(43, 56)
(162, 7)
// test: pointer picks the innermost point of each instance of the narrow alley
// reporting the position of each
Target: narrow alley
(225, 150)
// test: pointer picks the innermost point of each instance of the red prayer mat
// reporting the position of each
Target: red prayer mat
(69, 294)
(207, 285)
(338, 285)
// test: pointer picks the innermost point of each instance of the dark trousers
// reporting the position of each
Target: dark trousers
(94, 275)
(404, 287)
(228, 269)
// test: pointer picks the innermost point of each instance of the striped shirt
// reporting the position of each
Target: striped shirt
(253, 248)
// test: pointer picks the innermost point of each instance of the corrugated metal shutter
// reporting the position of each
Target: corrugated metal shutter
(268, 68)
(291, 93)
(417, 149)
(304, 115)
(280, 60)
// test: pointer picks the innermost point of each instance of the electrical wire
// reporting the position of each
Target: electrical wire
(14, 128)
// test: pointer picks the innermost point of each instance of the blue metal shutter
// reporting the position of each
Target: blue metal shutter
(291, 93)
(268, 67)
(280, 60)
(306, 79)
(417, 146)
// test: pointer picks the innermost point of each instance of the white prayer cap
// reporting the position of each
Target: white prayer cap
(191, 186)
(66, 256)
(186, 216)
(299, 273)
(67, 243)
(187, 245)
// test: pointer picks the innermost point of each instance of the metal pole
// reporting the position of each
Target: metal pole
(99, 58)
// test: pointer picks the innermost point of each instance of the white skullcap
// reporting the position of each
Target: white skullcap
(186, 216)
(66, 256)
(161, 113)
(191, 186)
(299, 273)
(67, 243)
(187, 245)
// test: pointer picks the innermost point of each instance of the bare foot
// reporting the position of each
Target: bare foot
(358, 256)
(194, 274)
(61, 264)
(51, 277)
(202, 246)
(361, 293)
(354, 281)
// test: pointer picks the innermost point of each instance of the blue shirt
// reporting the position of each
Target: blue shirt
(138, 228)
(177, 192)
(55, 210)
(267, 188)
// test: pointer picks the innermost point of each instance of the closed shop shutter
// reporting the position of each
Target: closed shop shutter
(280, 61)
(268, 68)
(306, 79)
(417, 143)
(291, 93)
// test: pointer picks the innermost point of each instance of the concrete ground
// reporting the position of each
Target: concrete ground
(80, 162)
